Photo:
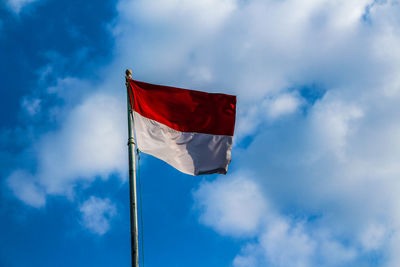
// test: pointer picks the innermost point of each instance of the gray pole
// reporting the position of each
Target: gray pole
(132, 178)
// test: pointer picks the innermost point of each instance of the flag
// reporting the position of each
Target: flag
(190, 130)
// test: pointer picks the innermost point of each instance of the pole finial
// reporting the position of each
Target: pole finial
(128, 74)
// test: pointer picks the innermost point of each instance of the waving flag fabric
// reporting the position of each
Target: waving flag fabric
(190, 130)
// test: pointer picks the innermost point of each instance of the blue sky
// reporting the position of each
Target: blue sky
(314, 178)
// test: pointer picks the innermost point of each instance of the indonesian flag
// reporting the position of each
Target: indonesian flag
(190, 130)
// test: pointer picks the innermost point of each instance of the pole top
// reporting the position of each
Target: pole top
(128, 74)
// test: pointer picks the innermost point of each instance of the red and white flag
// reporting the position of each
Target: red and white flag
(190, 130)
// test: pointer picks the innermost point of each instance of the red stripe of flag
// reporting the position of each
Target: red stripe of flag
(185, 110)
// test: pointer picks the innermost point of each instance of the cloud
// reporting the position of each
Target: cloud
(336, 169)
(373, 236)
(288, 244)
(284, 104)
(272, 108)
(206, 14)
(88, 145)
(32, 106)
(24, 187)
(235, 206)
(96, 214)
(333, 121)
(17, 5)
(231, 206)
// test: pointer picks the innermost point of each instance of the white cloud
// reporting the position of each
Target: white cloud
(96, 214)
(333, 122)
(18, 5)
(373, 236)
(288, 244)
(270, 109)
(32, 106)
(284, 104)
(285, 246)
(90, 143)
(281, 241)
(24, 186)
(231, 206)
(206, 15)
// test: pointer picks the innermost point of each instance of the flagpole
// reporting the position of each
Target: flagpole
(132, 177)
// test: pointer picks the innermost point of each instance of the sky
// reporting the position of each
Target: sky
(315, 175)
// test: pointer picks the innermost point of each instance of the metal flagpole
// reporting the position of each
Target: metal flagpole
(132, 177)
